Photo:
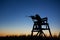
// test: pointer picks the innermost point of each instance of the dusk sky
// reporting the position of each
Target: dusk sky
(13, 20)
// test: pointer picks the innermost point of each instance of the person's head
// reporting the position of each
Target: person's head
(37, 15)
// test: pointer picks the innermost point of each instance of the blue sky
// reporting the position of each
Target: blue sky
(13, 15)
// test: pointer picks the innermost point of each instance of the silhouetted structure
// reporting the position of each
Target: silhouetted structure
(37, 26)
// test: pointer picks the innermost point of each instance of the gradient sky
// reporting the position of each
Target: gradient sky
(13, 20)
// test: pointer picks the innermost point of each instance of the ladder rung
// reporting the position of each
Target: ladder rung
(45, 29)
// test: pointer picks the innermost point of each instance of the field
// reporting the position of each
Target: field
(29, 38)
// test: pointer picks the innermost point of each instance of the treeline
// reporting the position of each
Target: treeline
(24, 37)
(29, 37)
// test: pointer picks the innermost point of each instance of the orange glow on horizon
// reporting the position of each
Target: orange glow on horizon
(19, 34)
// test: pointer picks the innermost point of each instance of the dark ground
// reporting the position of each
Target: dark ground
(28, 38)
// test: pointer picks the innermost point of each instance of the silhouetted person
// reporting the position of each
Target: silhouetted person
(39, 21)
